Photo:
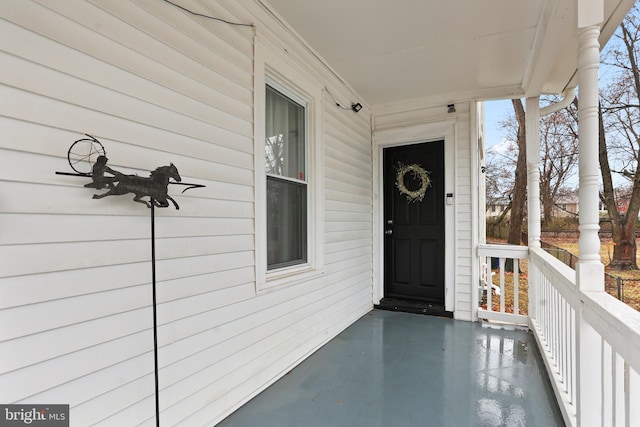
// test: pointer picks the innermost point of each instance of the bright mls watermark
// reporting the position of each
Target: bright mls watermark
(34, 415)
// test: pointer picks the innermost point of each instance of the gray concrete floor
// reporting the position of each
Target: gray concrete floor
(393, 369)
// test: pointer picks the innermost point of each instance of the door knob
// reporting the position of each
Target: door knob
(388, 232)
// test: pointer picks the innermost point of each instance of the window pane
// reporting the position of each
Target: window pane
(285, 136)
(286, 223)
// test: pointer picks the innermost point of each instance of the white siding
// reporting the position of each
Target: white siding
(465, 253)
(157, 85)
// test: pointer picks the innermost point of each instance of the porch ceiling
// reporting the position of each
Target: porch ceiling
(395, 51)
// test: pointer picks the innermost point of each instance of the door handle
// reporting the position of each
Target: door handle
(388, 232)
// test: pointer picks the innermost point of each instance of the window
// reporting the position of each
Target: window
(289, 194)
(285, 149)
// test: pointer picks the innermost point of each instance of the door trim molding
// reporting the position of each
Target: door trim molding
(426, 132)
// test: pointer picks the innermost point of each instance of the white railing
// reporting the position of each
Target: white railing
(554, 300)
(589, 341)
(496, 286)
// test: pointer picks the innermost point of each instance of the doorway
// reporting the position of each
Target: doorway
(414, 222)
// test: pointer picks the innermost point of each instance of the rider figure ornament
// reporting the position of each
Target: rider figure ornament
(98, 174)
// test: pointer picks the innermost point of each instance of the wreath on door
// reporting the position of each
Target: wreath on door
(419, 174)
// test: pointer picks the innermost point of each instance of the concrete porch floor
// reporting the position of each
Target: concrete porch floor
(393, 369)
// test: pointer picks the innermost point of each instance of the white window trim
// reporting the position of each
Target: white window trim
(275, 70)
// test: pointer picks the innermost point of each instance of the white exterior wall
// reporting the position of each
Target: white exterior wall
(157, 85)
(399, 125)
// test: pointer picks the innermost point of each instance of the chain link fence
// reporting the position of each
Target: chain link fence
(626, 290)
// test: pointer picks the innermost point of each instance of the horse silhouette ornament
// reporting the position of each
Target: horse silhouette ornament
(88, 158)
(154, 186)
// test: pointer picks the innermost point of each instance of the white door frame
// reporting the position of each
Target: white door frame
(425, 132)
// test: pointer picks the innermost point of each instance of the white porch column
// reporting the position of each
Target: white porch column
(533, 188)
(533, 171)
(589, 270)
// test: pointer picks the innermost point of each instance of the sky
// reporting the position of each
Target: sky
(494, 113)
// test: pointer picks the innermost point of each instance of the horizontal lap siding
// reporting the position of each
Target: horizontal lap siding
(464, 218)
(156, 85)
(348, 177)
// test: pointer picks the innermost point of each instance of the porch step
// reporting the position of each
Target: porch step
(413, 306)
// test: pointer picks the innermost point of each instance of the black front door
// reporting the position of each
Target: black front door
(414, 222)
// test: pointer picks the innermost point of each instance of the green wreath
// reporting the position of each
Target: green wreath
(418, 173)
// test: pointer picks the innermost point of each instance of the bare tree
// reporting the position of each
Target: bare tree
(519, 194)
(499, 177)
(619, 138)
(506, 177)
(558, 157)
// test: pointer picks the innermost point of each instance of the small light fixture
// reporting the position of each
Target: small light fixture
(451, 108)
(356, 107)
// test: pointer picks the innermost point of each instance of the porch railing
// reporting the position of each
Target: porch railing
(590, 342)
(500, 283)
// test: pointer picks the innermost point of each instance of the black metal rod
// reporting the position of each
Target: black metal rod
(74, 174)
(155, 322)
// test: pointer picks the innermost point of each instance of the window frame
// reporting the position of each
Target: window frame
(304, 104)
(272, 69)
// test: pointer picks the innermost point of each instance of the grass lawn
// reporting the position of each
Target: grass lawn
(508, 295)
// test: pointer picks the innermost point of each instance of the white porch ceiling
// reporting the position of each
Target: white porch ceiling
(395, 51)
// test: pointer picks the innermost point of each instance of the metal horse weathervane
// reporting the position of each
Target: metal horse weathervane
(87, 157)
(155, 186)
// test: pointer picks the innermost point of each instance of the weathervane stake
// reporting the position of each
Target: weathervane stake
(87, 158)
